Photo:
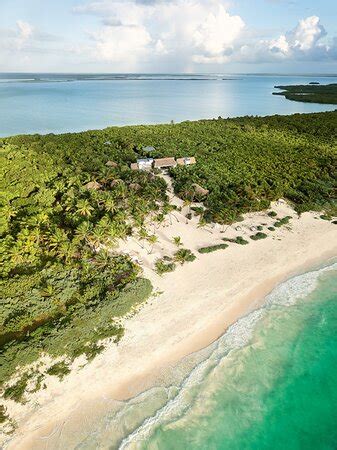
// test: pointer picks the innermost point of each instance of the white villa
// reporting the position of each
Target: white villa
(162, 163)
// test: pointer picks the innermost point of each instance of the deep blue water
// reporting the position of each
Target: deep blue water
(41, 103)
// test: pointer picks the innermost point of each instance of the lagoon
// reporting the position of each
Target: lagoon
(57, 103)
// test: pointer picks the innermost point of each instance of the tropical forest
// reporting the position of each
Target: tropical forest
(68, 201)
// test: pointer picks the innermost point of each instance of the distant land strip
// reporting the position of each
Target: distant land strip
(311, 93)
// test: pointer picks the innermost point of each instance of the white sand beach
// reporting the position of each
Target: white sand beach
(192, 307)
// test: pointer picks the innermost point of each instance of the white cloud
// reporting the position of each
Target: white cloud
(194, 32)
(122, 43)
(301, 43)
(188, 30)
(307, 34)
(173, 35)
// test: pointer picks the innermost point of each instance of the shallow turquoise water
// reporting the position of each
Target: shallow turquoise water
(62, 103)
(269, 383)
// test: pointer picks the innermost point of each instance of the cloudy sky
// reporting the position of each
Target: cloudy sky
(168, 36)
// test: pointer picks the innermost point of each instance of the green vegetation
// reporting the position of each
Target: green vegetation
(3, 414)
(258, 236)
(272, 214)
(280, 222)
(212, 248)
(168, 264)
(271, 228)
(7, 424)
(184, 255)
(78, 329)
(16, 391)
(163, 267)
(238, 240)
(68, 199)
(325, 217)
(246, 163)
(177, 241)
(310, 93)
(59, 369)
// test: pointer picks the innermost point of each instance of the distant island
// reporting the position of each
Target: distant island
(311, 93)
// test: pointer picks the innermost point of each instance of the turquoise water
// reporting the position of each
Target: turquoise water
(47, 103)
(269, 383)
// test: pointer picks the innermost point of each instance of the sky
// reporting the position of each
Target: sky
(168, 36)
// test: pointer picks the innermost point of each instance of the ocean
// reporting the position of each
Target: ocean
(268, 383)
(54, 103)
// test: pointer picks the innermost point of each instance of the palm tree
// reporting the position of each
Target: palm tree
(83, 231)
(110, 205)
(84, 208)
(97, 237)
(177, 241)
(16, 255)
(102, 258)
(152, 240)
(142, 234)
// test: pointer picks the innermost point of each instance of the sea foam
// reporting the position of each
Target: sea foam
(237, 336)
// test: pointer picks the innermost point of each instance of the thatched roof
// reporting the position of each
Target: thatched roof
(93, 185)
(111, 164)
(165, 162)
(134, 166)
(135, 186)
(199, 190)
(186, 161)
(115, 182)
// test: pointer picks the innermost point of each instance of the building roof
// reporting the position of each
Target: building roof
(148, 148)
(200, 190)
(93, 185)
(134, 166)
(165, 162)
(111, 164)
(186, 161)
(145, 161)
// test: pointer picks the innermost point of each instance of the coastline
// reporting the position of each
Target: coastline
(198, 304)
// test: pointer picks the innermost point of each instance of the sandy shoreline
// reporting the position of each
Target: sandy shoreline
(195, 306)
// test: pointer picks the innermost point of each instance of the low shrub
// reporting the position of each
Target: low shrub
(3, 414)
(259, 227)
(17, 390)
(271, 228)
(238, 240)
(283, 221)
(184, 255)
(59, 369)
(272, 214)
(325, 217)
(212, 248)
(163, 267)
(258, 236)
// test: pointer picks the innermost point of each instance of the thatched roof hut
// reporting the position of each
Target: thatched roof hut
(162, 163)
(135, 186)
(93, 185)
(134, 166)
(187, 161)
(115, 182)
(111, 164)
(199, 190)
